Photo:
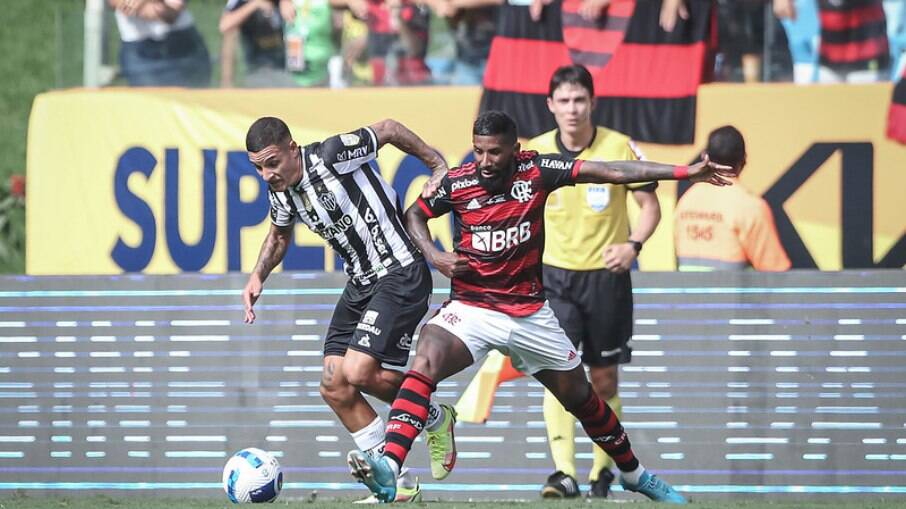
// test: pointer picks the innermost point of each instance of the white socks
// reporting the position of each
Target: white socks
(634, 476)
(435, 416)
(370, 439)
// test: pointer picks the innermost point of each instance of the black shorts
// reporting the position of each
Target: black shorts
(594, 307)
(380, 319)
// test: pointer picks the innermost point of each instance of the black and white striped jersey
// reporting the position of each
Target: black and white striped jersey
(345, 200)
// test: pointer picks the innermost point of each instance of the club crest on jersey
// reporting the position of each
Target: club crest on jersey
(522, 190)
(349, 139)
(328, 201)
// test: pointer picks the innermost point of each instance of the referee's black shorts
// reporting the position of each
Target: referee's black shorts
(594, 308)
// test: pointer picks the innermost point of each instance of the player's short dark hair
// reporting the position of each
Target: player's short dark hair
(574, 74)
(495, 123)
(727, 146)
(266, 131)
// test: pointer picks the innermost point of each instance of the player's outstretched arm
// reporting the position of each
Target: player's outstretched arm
(627, 172)
(449, 264)
(272, 252)
(392, 132)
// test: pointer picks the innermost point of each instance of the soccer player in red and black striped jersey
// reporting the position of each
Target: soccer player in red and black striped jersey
(498, 299)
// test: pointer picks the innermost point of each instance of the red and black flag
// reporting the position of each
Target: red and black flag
(896, 118)
(524, 54)
(854, 35)
(593, 43)
(645, 79)
(648, 90)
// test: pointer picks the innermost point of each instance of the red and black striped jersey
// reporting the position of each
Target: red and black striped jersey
(502, 235)
(854, 35)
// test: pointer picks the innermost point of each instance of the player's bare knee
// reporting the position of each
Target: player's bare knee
(605, 381)
(572, 404)
(361, 371)
(574, 399)
(335, 393)
(361, 379)
(424, 365)
(606, 391)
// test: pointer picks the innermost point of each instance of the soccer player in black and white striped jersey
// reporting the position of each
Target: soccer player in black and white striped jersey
(331, 187)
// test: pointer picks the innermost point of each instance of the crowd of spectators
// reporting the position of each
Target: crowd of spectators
(305, 43)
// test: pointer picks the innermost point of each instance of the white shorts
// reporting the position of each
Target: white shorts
(533, 342)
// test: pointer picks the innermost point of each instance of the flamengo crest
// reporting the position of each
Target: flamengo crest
(522, 190)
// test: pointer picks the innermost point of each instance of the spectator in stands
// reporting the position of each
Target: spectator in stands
(397, 39)
(473, 24)
(742, 42)
(313, 39)
(854, 46)
(726, 228)
(260, 25)
(356, 67)
(160, 44)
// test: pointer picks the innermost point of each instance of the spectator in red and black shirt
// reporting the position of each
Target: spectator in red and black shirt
(854, 46)
(395, 28)
(498, 297)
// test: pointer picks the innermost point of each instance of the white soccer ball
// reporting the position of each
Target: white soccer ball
(252, 475)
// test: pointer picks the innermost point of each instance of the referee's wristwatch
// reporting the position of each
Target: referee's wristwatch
(636, 245)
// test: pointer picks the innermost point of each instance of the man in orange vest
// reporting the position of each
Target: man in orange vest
(726, 228)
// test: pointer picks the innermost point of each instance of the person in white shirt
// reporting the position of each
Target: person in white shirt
(160, 44)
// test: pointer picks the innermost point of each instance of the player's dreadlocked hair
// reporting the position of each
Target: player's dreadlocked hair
(495, 123)
(266, 131)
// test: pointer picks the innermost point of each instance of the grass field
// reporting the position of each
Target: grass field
(24, 501)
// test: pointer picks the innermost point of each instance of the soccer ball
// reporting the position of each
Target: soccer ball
(252, 475)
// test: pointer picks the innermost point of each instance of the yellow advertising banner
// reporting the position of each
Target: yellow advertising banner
(157, 181)
(819, 156)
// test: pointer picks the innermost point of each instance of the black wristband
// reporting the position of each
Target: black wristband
(636, 245)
